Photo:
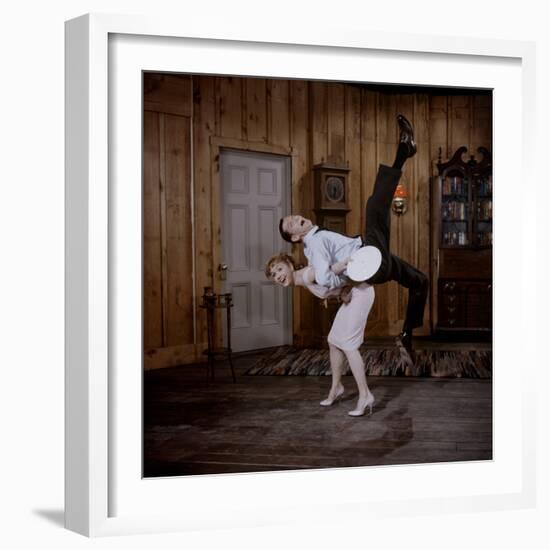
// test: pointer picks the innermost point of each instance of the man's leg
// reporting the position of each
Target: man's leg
(378, 221)
(417, 284)
(377, 233)
(407, 145)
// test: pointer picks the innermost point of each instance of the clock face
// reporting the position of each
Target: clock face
(334, 189)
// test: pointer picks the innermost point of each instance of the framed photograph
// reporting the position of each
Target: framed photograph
(193, 377)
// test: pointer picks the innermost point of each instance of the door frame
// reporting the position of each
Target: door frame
(217, 145)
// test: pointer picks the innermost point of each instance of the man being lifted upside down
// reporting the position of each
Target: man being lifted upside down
(329, 252)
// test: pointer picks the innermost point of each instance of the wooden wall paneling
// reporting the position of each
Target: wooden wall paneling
(438, 130)
(302, 193)
(394, 323)
(434, 249)
(162, 208)
(318, 153)
(244, 110)
(180, 293)
(152, 274)
(229, 100)
(481, 123)
(336, 123)
(278, 105)
(216, 243)
(439, 139)
(460, 123)
(353, 158)
(269, 114)
(217, 99)
(422, 204)
(307, 300)
(252, 146)
(167, 93)
(369, 146)
(230, 107)
(169, 356)
(204, 124)
(256, 109)
(318, 122)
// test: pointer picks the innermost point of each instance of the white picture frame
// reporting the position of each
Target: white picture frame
(105, 494)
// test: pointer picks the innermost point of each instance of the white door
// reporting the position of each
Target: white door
(255, 195)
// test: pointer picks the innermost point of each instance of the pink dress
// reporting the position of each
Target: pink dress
(348, 329)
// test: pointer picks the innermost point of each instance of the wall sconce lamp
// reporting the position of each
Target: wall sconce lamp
(400, 200)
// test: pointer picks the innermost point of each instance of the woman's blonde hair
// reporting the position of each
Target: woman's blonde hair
(282, 257)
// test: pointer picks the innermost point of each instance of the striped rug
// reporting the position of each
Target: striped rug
(292, 361)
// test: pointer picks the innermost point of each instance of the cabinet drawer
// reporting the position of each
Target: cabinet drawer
(465, 264)
(465, 304)
(450, 299)
(451, 304)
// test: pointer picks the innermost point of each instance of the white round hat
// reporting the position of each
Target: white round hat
(364, 263)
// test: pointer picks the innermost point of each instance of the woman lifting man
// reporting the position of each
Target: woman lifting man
(329, 254)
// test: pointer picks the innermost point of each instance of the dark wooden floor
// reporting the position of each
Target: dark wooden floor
(266, 423)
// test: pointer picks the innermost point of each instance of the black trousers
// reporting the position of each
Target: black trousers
(393, 268)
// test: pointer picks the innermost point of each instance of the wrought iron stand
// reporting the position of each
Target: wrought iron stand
(211, 302)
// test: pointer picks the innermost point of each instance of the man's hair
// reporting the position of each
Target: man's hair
(282, 257)
(284, 234)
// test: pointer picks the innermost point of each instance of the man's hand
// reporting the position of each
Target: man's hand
(339, 267)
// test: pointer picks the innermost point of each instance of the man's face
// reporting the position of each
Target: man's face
(296, 227)
(282, 274)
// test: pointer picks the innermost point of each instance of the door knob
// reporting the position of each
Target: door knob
(222, 268)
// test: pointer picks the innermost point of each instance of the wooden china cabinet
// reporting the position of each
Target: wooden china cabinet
(462, 225)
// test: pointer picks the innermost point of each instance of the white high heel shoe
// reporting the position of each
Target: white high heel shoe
(328, 401)
(362, 405)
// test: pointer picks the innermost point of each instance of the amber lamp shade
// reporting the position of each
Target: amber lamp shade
(400, 200)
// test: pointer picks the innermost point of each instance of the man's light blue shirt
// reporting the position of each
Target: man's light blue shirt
(324, 248)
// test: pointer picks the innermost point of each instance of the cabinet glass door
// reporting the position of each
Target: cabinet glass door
(455, 211)
(483, 228)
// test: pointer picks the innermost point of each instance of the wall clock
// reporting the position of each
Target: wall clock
(331, 187)
(331, 196)
(335, 189)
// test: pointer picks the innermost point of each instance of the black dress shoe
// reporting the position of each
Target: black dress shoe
(406, 135)
(404, 341)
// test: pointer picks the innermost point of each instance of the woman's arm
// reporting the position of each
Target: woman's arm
(302, 277)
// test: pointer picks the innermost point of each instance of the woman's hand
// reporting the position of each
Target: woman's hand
(345, 294)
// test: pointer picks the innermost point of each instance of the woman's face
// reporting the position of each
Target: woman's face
(282, 273)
